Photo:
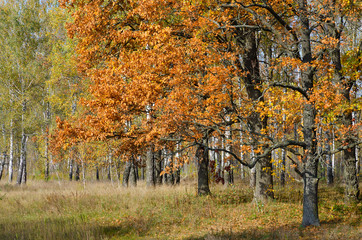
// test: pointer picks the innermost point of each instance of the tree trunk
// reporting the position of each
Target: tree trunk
(229, 180)
(158, 166)
(97, 173)
(118, 169)
(217, 157)
(71, 163)
(25, 172)
(329, 160)
(109, 175)
(46, 132)
(22, 163)
(282, 172)
(150, 165)
(350, 160)
(2, 164)
(242, 174)
(136, 170)
(83, 170)
(77, 172)
(202, 157)
(11, 152)
(354, 120)
(126, 173)
(264, 180)
(350, 175)
(252, 183)
(310, 196)
(222, 162)
(169, 177)
(132, 174)
(252, 171)
(177, 176)
(46, 170)
(142, 172)
(249, 63)
(310, 201)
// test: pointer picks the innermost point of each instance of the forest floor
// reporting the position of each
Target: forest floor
(74, 210)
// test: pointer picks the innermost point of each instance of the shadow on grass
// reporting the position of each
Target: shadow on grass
(73, 228)
(328, 230)
(291, 232)
(70, 228)
(46, 229)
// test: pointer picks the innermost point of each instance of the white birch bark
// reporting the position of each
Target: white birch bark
(252, 170)
(11, 151)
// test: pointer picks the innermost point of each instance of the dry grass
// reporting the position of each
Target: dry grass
(66, 210)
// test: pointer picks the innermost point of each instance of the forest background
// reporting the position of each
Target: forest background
(257, 104)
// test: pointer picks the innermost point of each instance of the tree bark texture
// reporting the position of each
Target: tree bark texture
(282, 171)
(252, 182)
(71, 164)
(2, 164)
(142, 173)
(133, 174)
(177, 173)
(46, 147)
(350, 176)
(118, 169)
(158, 166)
(77, 172)
(264, 180)
(249, 63)
(129, 174)
(177, 176)
(310, 202)
(330, 174)
(202, 157)
(11, 152)
(229, 176)
(242, 173)
(169, 177)
(150, 167)
(310, 196)
(349, 156)
(46, 170)
(83, 170)
(97, 173)
(22, 163)
(126, 173)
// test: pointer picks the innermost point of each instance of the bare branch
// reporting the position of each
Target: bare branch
(341, 148)
(296, 169)
(295, 88)
(265, 154)
(275, 15)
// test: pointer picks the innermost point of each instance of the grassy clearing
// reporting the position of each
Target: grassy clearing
(63, 210)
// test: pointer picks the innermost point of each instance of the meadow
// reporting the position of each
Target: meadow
(104, 210)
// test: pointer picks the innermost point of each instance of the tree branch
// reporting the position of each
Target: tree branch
(295, 88)
(341, 148)
(296, 169)
(258, 157)
(275, 15)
